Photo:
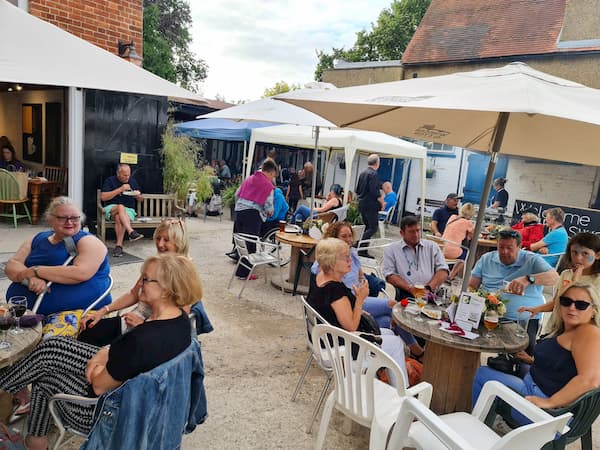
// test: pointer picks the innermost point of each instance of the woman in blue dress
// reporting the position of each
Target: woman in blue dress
(41, 258)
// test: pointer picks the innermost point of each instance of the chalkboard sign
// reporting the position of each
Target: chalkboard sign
(577, 220)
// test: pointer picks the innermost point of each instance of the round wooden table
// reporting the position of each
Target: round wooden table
(297, 242)
(484, 246)
(450, 361)
(22, 344)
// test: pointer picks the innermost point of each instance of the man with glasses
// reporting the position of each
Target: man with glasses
(413, 261)
(525, 273)
(121, 192)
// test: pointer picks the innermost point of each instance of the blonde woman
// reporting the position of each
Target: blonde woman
(458, 228)
(59, 364)
(566, 364)
(169, 237)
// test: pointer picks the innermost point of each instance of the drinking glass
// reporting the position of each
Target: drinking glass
(522, 322)
(420, 300)
(5, 324)
(490, 321)
(18, 306)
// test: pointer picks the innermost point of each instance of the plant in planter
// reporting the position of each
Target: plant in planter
(353, 215)
(429, 173)
(181, 167)
(228, 196)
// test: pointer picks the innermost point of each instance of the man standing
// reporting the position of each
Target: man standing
(388, 200)
(121, 192)
(367, 190)
(441, 215)
(525, 271)
(413, 261)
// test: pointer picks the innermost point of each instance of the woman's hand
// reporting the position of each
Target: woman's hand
(361, 291)
(132, 319)
(577, 272)
(37, 285)
(91, 319)
(96, 363)
(524, 357)
(540, 402)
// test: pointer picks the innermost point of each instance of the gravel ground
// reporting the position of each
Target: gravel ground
(254, 357)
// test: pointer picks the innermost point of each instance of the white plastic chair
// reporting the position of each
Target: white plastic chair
(377, 244)
(463, 431)
(358, 394)
(358, 231)
(311, 319)
(385, 217)
(40, 297)
(266, 253)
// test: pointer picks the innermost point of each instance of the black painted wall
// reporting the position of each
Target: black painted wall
(119, 122)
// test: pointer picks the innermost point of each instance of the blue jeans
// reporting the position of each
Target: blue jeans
(522, 386)
(379, 309)
(301, 214)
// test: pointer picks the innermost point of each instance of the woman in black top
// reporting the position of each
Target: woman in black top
(168, 283)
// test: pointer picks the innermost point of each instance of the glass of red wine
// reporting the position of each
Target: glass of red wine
(6, 322)
(18, 306)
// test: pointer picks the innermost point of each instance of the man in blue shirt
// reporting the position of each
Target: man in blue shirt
(390, 198)
(120, 193)
(556, 240)
(441, 215)
(525, 271)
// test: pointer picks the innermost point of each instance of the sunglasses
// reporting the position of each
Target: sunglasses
(581, 305)
(508, 234)
(173, 222)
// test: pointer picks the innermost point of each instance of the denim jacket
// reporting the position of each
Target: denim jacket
(154, 409)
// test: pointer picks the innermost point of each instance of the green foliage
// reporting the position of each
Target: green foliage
(387, 39)
(180, 159)
(279, 88)
(228, 194)
(203, 183)
(353, 215)
(166, 43)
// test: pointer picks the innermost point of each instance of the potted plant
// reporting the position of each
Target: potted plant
(228, 197)
(429, 173)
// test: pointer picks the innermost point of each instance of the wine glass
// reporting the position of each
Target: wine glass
(490, 321)
(5, 324)
(18, 306)
(420, 300)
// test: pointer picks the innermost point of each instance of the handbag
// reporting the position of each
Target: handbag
(505, 363)
(368, 329)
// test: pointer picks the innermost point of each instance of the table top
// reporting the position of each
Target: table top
(504, 340)
(40, 181)
(22, 344)
(296, 240)
(487, 242)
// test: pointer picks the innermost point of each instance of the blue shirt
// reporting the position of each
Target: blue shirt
(556, 242)
(280, 206)
(112, 183)
(388, 201)
(492, 273)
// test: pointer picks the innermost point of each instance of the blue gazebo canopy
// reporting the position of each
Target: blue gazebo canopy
(220, 129)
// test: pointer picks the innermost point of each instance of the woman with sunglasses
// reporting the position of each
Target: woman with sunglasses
(169, 237)
(566, 364)
(60, 364)
(41, 258)
(582, 258)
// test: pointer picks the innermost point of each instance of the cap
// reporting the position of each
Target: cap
(453, 196)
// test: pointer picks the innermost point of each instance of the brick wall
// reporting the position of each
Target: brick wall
(100, 22)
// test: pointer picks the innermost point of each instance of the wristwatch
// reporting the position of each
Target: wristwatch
(35, 271)
(530, 279)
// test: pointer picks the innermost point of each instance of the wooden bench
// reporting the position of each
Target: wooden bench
(430, 205)
(150, 211)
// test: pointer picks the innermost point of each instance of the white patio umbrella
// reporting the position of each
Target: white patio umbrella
(269, 110)
(514, 109)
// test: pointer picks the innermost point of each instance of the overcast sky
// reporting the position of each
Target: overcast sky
(250, 45)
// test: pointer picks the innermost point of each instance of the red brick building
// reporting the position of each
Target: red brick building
(101, 22)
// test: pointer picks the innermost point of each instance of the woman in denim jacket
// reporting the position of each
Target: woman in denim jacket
(60, 364)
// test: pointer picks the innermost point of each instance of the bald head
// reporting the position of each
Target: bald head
(386, 187)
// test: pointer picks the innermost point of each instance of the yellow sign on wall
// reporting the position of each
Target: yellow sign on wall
(129, 158)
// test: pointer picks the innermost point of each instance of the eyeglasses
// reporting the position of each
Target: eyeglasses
(581, 305)
(65, 219)
(508, 234)
(148, 280)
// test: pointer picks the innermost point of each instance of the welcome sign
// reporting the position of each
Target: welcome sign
(577, 220)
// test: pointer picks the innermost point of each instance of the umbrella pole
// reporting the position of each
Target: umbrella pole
(314, 176)
(496, 145)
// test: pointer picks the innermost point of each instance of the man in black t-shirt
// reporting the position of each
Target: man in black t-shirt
(441, 215)
(120, 193)
(368, 192)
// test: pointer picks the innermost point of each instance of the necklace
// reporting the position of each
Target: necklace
(414, 263)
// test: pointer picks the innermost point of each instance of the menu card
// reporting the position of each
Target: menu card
(467, 313)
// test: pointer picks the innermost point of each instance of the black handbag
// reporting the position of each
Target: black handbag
(368, 329)
(505, 363)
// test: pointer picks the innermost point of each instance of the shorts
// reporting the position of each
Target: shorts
(130, 212)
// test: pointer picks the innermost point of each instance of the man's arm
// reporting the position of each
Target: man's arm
(474, 282)
(109, 195)
(535, 246)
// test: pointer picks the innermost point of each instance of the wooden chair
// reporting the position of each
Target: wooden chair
(58, 175)
(10, 195)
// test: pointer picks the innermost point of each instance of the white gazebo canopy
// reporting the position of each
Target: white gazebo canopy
(349, 140)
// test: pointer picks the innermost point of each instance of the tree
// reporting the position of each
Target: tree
(166, 43)
(387, 39)
(279, 88)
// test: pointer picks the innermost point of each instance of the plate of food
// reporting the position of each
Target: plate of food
(131, 193)
(432, 313)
